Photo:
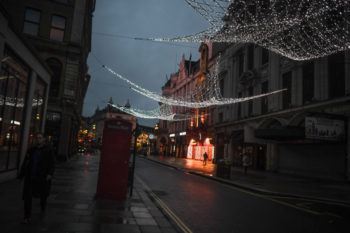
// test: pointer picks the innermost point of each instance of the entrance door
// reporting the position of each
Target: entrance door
(261, 157)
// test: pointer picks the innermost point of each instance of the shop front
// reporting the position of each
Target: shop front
(13, 92)
(255, 152)
(314, 148)
(196, 149)
(23, 93)
(199, 142)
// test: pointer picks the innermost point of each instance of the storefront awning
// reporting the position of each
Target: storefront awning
(281, 133)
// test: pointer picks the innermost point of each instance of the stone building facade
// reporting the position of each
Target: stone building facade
(301, 131)
(60, 30)
(97, 120)
(188, 138)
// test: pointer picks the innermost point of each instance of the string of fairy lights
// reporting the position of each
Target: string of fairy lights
(297, 29)
(205, 95)
(200, 99)
(164, 112)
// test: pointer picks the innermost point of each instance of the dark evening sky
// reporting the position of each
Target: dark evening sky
(145, 63)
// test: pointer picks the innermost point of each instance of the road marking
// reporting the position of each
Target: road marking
(267, 197)
(165, 208)
(271, 199)
(330, 202)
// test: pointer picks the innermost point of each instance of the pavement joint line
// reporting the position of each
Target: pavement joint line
(165, 208)
(260, 191)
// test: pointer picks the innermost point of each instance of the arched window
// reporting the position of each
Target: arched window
(56, 67)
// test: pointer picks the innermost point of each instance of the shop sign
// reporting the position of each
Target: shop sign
(182, 133)
(324, 129)
(172, 135)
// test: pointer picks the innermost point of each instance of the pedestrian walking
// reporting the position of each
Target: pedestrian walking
(245, 162)
(37, 171)
(205, 158)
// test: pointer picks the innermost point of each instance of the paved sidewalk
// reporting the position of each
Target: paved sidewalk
(266, 182)
(72, 208)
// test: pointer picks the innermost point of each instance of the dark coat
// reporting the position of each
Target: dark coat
(38, 185)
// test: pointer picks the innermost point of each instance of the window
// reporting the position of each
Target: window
(221, 117)
(336, 75)
(13, 92)
(222, 87)
(37, 109)
(250, 57)
(239, 107)
(264, 100)
(287, 84)
(56, 67)
(250, 102)
(58, 25)
(264, 56)
(240, 63)
(31, 22)
(308, 82)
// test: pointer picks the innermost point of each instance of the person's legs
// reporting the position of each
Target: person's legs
(43, 204)
(27, 208)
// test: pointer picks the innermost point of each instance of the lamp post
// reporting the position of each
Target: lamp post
(136, 134)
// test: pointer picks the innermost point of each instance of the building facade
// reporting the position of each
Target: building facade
(301, 131)
(192, 137)
(60, 30)
(24, 85)
(97, 120)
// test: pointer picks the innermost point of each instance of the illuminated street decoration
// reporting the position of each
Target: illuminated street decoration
(297, 29)
(203, 96)
(211, 10)
(164, 112)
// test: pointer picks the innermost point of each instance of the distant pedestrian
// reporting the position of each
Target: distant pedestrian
(37, 170)
(205, 158)
(245, 162)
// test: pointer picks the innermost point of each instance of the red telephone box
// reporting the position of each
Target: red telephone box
(114, 164)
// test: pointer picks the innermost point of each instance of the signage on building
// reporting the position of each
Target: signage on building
(182, 133)
(324, 129)
(172, 135)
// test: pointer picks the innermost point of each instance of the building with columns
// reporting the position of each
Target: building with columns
(60, 31)
(303, 130)
(24, 85)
